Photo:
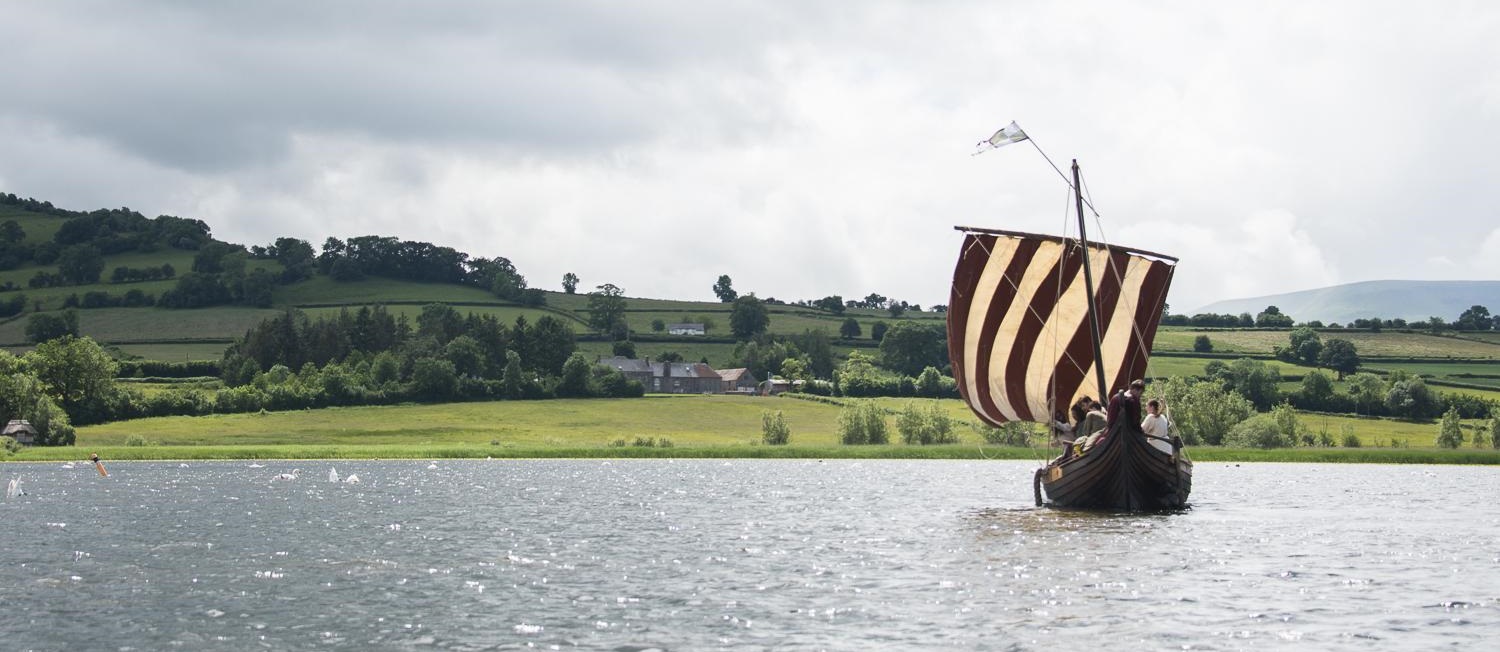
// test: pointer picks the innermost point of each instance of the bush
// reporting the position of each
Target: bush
(1259, 431)
(925, 426)
(235, 400)
(1351, 440)
(773, 429)
(1450, 430)
(861, 422)
(1202, 411)
(1013, 433)
(157, 368)
(1202, 344)
(9, 444)
(817, 387)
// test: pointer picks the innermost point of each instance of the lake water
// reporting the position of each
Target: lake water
(633, 555)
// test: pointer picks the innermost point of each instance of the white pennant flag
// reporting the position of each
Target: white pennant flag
(1011, 133)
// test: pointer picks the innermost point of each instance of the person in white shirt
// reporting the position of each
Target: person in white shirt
(1155, 424)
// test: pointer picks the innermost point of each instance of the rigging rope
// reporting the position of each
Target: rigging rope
(1138, 338)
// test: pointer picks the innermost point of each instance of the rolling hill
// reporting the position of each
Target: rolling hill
(1409, 300)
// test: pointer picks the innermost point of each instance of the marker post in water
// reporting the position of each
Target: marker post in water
(94, 457)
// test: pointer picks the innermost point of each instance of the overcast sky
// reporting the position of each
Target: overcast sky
(803, 148)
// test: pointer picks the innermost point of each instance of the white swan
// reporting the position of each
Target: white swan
(287, 476)
(14, 488)
(333, 476)
(352, 479)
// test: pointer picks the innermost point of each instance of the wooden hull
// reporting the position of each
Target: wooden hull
(1123, 472)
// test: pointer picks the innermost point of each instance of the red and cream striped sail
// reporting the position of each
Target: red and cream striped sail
(1018, 326)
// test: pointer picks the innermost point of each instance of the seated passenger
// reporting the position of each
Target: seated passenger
(1157, 428)
(1067, 433)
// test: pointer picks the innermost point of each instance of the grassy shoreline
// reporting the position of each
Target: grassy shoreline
(715, 426)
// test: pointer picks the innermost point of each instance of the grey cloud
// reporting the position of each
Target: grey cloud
(217, 87)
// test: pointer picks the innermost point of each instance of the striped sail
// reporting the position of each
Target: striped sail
(1018, 327)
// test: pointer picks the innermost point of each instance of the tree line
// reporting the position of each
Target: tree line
(1474, 318)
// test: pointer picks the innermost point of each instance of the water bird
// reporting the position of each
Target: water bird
(333, 476)
(14, 488)
(182, 465)
(253, 465)
(432, 466)
(287, 476)
(67, 465)
(352, 479)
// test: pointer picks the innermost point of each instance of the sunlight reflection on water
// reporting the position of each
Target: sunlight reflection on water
(692, 554)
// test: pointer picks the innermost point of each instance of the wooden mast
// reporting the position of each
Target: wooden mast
(1088, 280)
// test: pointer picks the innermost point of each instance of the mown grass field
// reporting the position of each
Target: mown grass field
(1162, 366)
(154, 324)
(322, 290)
(166, 352)
(1383, 344)
(52, 298)
(720, 355)
(506, 314)
(686, 420)
(697, 426)
(39, 227)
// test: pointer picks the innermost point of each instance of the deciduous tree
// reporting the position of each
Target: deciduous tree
(80, 374)
(748, 317)
(80, 264)
(1476, 318)
(723, 289)
(1450, 431)
(849, 329)
(908, 347)
(43, 326)
(606, 307)
(1340, 355)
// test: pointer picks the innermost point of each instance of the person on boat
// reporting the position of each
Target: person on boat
(1067, 432)
(1126, 404)
(1156, 427)
(1095, 424)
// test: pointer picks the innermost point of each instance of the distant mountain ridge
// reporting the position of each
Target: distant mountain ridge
(1409, 300)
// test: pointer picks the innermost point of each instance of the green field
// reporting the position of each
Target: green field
(52, 298)
(1384, 344)
(322, 290)
(39, 227)
(506, 314)
(1162, 366)
(698, 426)
(111, 325)
(696, 420)
(189, 352)
(687, 420)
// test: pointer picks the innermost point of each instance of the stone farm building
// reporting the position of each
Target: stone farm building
(738, 381)
(686, 329)
(681, 377)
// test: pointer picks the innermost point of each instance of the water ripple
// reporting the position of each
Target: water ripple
(692, 554)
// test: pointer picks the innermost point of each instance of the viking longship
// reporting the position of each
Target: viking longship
(1030, 333)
